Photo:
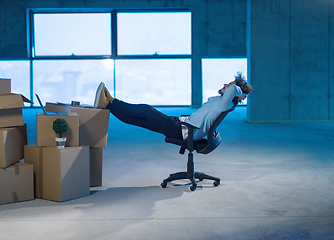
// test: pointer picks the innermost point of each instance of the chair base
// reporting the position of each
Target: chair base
(192, 177)
(190, 174)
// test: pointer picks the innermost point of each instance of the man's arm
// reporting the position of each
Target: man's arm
(231, 92)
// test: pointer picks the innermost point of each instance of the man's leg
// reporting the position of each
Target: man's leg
(141, 115)
(145, 116)
(125, 113)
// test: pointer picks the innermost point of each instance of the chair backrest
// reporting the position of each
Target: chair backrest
(213, 138)
(205, 145)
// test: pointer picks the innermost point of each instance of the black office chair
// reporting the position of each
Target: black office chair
(203, 146)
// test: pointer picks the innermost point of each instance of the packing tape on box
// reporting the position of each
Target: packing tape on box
(15, 197)
(17, 170)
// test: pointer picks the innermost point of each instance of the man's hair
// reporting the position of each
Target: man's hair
(242, 83)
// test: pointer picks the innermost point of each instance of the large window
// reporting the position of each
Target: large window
(72, 34)
(142, 56)
(154, 33)
(216, 72)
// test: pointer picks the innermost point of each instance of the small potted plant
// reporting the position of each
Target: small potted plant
(60, 126)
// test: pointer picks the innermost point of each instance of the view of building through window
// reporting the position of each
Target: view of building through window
(71, 80)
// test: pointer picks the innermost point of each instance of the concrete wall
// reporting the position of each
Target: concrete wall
(219, 27)
(290, 47)
(290, 60)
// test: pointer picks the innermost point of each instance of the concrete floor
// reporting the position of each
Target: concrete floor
(276, 183)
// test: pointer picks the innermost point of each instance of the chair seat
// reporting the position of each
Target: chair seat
(201, 146)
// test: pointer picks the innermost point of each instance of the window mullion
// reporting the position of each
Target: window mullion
(114, 33)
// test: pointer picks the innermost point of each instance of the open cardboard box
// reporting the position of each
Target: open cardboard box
(13, 100)
(93, 123)
(11, 109)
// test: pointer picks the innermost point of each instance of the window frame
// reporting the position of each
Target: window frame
(113, 13)
(114, 46)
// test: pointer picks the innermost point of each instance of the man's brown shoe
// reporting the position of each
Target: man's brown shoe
(101, 100)
(108, 95)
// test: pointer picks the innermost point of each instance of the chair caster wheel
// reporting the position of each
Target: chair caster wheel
(192, 188)
(163, 184)
(216, 183)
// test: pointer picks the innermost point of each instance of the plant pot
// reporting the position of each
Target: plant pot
(60, 142)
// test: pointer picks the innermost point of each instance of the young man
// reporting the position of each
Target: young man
(146, 116)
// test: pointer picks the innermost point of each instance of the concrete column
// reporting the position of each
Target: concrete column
(290, 61)
(268, 60)
(309, 60)
(331, 60)
(198, 48)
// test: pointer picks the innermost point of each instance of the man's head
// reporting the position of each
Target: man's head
(242, 83)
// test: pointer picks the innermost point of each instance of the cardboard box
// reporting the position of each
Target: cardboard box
(11, 117)
(46, 135)
(16, 183)
(54, 107)
(13, 101)
(12, 141)
(33, 155)
(65, 173)
(5, 86)
(11, 109)
(93, 123)
(95, 159)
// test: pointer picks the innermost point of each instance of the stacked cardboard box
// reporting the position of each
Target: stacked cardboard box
(16, 178)
(46, 135)
(48, 172)
(60, 173)
(93, 132)
(66, 173)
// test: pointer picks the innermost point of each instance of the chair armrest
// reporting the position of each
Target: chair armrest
(190, 139)
(188, 125)
(189, 142)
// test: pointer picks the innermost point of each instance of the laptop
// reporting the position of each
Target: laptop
(45, 112)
